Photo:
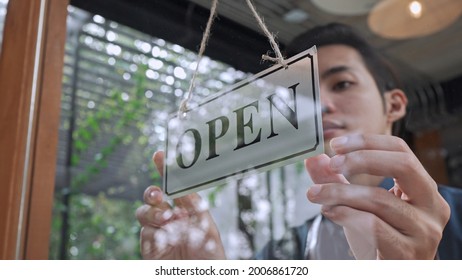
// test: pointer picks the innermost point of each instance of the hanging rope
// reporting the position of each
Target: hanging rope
(279, 57)
(205, 38)
(213, 12)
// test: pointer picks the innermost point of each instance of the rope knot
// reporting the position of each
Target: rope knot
(183, 108)
(213, 11)
(279, 60)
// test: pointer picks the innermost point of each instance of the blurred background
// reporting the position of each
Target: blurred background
(129, 62)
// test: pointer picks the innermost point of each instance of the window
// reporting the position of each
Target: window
(119, 86)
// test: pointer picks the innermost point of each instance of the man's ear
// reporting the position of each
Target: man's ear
(395, 104)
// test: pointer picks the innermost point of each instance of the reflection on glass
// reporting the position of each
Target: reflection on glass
(119, 86)
(3, 10)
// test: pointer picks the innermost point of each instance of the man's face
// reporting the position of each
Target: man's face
(349, 95)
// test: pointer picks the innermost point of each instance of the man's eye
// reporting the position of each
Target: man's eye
(342, 85)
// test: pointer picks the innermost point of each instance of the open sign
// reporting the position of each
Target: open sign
(266, 121)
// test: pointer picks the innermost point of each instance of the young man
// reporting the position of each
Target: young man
(360, 218)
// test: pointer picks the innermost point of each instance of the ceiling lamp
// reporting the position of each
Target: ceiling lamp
(401, 19)
(345, 7)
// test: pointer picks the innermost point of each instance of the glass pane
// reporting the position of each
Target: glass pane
(3, 10)
(119, 86)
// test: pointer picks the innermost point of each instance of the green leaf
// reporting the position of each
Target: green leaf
(75, 159)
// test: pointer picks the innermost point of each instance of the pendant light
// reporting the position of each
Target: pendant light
(402, 19)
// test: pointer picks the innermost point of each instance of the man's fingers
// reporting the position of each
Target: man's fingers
(158, 159)
(150, 216)
(378, 155)
(365, 231)
(160, 215)
(320, 172)
(383, 204)
(148, 246)
(354, 142)
(363, 247)
(192, 203)
(153, 195)
(157, 211)
(411, 176)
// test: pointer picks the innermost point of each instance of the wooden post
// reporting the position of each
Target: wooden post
(31, 66)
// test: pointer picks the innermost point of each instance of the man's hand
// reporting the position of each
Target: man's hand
(406, 223)
(185, 231)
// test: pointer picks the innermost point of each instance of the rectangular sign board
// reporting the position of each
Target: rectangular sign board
(266, 121)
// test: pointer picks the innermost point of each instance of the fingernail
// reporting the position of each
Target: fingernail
(337, 161)
(153, 195)
(338, 142)
(315, 189)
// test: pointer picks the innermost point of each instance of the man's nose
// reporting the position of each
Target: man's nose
(327, 105)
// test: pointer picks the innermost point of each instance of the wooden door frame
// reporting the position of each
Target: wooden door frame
(31, 67)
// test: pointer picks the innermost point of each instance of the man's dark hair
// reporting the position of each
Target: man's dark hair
(337, 33)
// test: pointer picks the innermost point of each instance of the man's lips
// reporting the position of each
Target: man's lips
(332, 125)
(331, 128)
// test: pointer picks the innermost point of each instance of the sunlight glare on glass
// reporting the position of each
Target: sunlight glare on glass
(111, 61)
(415, 9)
(143, 46)
(74, 251)
(179, 73)
(177, 48)
(166, 89)
(155, 63)
(94, 29)
(112, 49)
(125, 96)
(133, 67)
(178, 92)
(126, 76)
(98, 19)
(111, 36)
(149, 94)
(152, 74)
(169, 80)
